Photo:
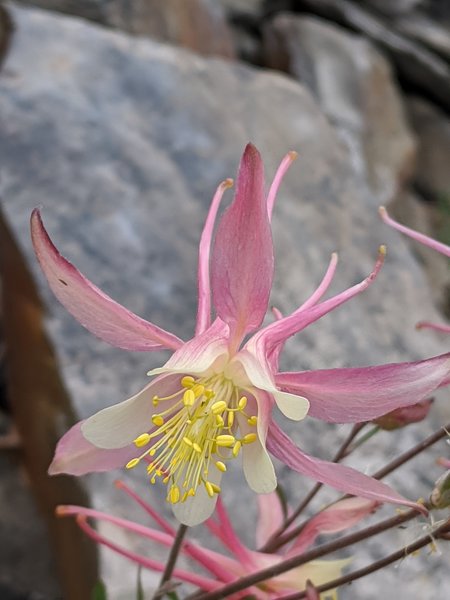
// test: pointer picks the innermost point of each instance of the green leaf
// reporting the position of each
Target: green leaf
(99, 591)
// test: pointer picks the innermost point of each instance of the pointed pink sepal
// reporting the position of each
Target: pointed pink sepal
(340, 477)
(242, 259)
(362, 394)
(96, 311)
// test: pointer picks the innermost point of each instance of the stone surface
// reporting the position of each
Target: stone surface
(195, 24)
(415, 63)
(355, 88)
(432, 129)
(434, 34)
(395, 7)
(123, 142)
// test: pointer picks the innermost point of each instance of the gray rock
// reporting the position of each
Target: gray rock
(195, 24)
(432, 129)
(433, 34)
(415, 63)
(355, 88)
(124, 141)
(397, 7)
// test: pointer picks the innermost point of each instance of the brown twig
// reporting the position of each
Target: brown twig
(440, 532)
(171, 561)
(305, 557)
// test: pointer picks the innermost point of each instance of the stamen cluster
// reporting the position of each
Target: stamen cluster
(197, 429)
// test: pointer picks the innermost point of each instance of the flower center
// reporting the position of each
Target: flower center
(196, 432)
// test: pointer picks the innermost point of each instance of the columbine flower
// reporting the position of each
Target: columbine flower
(426, 241)
(212, 400)
(243, 561)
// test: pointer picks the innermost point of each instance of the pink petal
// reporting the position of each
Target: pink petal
(435, 326)
(342, 478)
(281, 330)
(74, 455)
(204, 285)
(281, 172)
(363, 394)
(415, 235)
(96, 311)
(334, 519)
(242, 261)
(200, 353)
(276, 350)
(270, 517)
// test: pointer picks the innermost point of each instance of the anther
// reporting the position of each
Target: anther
(187, 441)
(187, 381)
(197, 448)
(219, 421)
(157, 420)
(188, 398)
(142, 440)
(225, 441)
(249, 438)
(216, 488)
(221, 466)
(198, 390)
(218, 407)
(230, 419)
(155, 400)
(209, 489)
(132, 463)
(174, 494)
(242, 403)
(209, 394)
(236, 448)
(253, 420)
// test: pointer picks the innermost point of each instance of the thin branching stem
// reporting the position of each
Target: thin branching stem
(440, 533)
(171, 561)
(305, 557)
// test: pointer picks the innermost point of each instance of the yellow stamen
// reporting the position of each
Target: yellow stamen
(132, 463)
(198, 390)
(157, 420)
(253, 420)
(209, 489)
(219, 421)
(187, 381)
(216, 488)
(196, 447)
(218, 407)
(242, 403)
(236, 448)
(174, 494)
(221, 466)
(155, 400)
(225, 440)
(188, 398)
(249, 438)
(230, 419)
(142, 440)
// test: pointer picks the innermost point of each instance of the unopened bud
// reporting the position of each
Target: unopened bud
(400, 417)
(440, 496)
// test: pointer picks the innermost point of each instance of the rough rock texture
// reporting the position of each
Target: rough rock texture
(415, 63)
(123, 142)
(432, 129)
(195, 24)
(354, 86)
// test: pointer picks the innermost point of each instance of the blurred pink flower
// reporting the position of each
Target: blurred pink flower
(400, 417)
(243, 561)
(213, 398)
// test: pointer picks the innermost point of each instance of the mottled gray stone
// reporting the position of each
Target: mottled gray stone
(123, 142)
(199, 25)
(355, 88)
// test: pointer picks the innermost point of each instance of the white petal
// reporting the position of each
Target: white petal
(200, 507)
(258, 468)
(117, 426)
(292, 406)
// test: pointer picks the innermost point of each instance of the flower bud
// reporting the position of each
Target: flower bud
(400, 417)
(440, 496)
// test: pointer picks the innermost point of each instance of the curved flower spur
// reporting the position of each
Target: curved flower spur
(212, 400)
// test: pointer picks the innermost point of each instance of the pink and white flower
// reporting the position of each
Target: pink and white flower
(242, 561)
(213, 399)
